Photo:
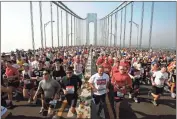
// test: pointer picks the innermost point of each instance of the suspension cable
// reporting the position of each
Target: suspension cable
(111, 32)
(124, 27)
(121, 31)
(58, 25)
(40, 11)
(113, 11)
(32, 26)
(71, 31)
(61, 28)
(66, 29)
(142, 17)
(131, 24)
(150, 33)
(51, 23)
(66, 9)
(115, 31)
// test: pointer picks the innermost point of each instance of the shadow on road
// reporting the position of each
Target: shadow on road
(170, 103)
(126, 111)
(155, 116)
(24, 117)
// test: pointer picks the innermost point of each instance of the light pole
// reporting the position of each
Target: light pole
(137, 30)
(45, 31)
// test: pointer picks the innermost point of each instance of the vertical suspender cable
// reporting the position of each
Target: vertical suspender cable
(115, 30)
(74, 31)
(124, 26)
(71, 31)
(142, 17)
(58, 26)
(111, 33)
(150, 33)
(67, 29)
(108, 32)
(61, 28)
(51, 23)
(40, 11)
(32, 26)
(131, 25)
(121, 30)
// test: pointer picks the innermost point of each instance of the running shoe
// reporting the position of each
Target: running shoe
(173, 95)
(135, 99)
(42, 109)
(154, 102)
(129, 95)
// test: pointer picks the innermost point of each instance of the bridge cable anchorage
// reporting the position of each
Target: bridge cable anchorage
(58, 27)
(150, 33)
(121, 30)
(51, 22)
(142, 18)
(124, 26)
(40, 11)
(32, 25)
(131, 24)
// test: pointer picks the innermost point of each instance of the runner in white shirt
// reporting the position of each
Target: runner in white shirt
(35, 63)
(158, 81)
(99, 83)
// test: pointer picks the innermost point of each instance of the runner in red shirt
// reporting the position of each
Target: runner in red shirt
(111, 60)
(123, 62)
(12, 75)
(100, 60)
(115, 68)
(121, 82)
(106, 66)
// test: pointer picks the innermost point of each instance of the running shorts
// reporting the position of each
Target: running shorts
(157, 90)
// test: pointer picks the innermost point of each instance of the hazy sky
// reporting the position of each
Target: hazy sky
(16, 24)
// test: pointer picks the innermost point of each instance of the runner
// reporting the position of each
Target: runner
(28, 89)
(121, 82)
(49, 88)
(99, 83)
(12, 76)
(70, 85)
(158, 81)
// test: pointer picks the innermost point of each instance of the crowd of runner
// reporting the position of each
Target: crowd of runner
(44, 73)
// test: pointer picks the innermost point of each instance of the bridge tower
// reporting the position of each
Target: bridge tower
(91, 17)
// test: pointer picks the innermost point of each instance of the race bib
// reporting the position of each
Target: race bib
(70, 89)
(58, 78)
(120, 94)
(27, 81)
(101, 84)
(106, 69)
